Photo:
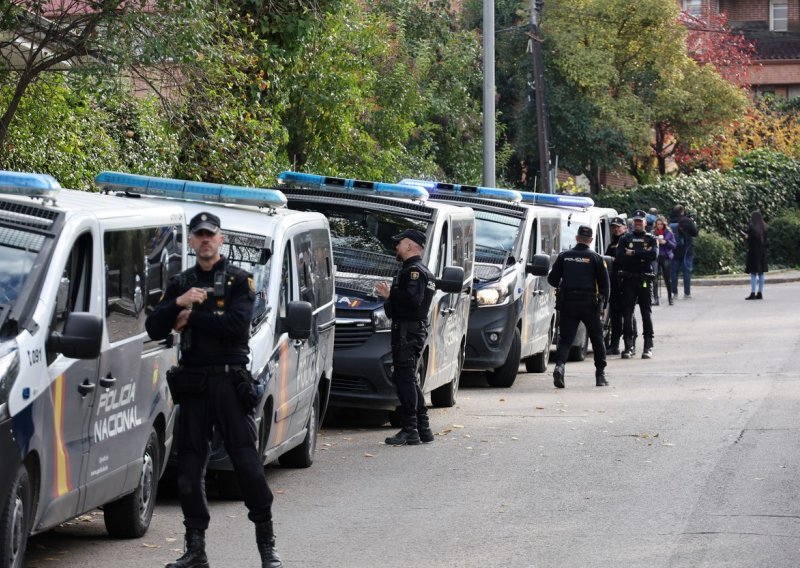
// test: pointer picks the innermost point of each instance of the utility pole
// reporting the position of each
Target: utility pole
(488, 94)
(535, 48)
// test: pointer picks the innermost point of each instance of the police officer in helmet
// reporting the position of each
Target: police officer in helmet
(581, 277)
(636, 252)
(408, 300)
(211, 306)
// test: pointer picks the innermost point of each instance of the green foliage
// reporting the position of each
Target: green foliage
(72, 132)
(783, 239)
(714, 254)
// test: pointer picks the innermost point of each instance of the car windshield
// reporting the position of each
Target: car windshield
(18, 252)
(495, 236)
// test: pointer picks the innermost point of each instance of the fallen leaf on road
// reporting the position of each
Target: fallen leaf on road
(146, 545)
(457, 426)
(667, 444)
(467, 436)
(280, 491)
(368, 455)
(514, 438)
(540, 408)
(502, 400)
(170, 539)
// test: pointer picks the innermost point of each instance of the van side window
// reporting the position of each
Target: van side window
(534, 240)
(74, 290)
(305, 267)
(138, 266)
(285, 294)
(441, 261)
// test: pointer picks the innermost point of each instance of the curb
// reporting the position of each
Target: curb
(778, 278)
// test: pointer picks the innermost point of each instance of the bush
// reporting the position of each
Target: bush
(783, 240)
(714, 254)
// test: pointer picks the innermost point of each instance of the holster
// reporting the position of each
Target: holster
(246, 388)
(182, 381)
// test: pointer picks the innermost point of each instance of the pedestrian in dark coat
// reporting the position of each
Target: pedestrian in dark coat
(756, 264)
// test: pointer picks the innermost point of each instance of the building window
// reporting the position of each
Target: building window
(693, 7)
(779, 15)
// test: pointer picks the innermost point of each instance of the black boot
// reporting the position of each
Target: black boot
(408, 435)
(424, 428)
(629, 350)
(600, 378)
(613, 349)
(195, 556)
(647, 352)
(558, 376)
(752, 296)
(265, 540)
(759, 296)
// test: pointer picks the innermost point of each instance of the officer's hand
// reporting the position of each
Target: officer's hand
(629, 252)
(383, 289)
(193, 296)
(602, 313)
(182, 320)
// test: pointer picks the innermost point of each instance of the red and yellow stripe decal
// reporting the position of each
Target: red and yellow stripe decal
(432, 358)
(282, 415)
(61, 469)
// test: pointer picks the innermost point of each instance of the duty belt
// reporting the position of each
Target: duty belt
(404, 326)
(215, 369)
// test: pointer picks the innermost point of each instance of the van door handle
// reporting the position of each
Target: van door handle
(298, 343)
(108, 381)
(85, 387)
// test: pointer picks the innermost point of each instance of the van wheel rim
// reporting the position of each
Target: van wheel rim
(17, 529)
(146, 482)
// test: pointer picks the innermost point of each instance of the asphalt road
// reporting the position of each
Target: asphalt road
(690, 459)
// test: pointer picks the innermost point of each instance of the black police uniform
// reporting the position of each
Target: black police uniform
(214, 357)
(581, 277)
(614, 299)
(409, 300)
(636, 277)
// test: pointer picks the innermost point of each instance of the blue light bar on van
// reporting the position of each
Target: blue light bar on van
(314, 181)
(557, 200)
(31, 185)
(190, 190)
(498, 193)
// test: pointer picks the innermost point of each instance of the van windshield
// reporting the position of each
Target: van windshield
(363, 249)
(18, 252)
(495, 236)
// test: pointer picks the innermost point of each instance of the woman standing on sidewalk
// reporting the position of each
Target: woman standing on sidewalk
(666, 246)
(756, 264)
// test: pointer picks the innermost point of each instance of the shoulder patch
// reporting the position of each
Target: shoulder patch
(414, 274)
(251, 283)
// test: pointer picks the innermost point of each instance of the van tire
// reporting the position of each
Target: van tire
(505, 375)
(16, 520)
(445, 395)
(303, 455)
(129, 517)
(578, 352)
(538, 363)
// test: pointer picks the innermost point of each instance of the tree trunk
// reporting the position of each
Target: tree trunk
(8, 116)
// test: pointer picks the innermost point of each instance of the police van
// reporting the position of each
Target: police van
(599, 219)
(291, 335)
(85, 415)
(364, 216)
(512, 316)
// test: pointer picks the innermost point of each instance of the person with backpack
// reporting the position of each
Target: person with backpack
(684, 227)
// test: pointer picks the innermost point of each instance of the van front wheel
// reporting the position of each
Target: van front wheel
(15, 520)
(129, 517)
(303, 455)
(505, 375)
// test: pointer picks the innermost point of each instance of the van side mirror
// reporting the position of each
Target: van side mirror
(81, 338)
(452, 280)
(299, 319)
(539, 266)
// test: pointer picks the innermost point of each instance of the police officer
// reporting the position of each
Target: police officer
(635, 253)
(409, 299)
(581, 277)
(211, 305)
(618, 228)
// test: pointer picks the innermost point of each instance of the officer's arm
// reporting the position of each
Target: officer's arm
(620, 254)
(409, 291)
(650, 254)
(235, 320)
(603, 280)
(160, 321)
(554, 278)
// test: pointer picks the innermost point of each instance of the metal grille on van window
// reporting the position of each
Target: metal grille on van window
(21, 240)
(461, 198)
(337, 197)
(353, 261)
(27, 215)
(243, 249)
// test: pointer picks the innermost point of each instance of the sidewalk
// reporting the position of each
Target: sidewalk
(771, 277)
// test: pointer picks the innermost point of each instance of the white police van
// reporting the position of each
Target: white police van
(85, 415)
(512, 316)
(291, 336)
(364, 216)
(599, 219)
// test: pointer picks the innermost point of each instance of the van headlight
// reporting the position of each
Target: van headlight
(380, 320)
(9, 370)
(494, 294)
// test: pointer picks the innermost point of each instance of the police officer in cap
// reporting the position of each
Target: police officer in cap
(635, 254)
(618, 228)
(581, 277)
(211, 305)
(408, 300)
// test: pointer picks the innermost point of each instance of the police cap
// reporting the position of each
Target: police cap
(413, 234)
(204, 221)
(618, 221)
(585, 232)
(639, 214)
